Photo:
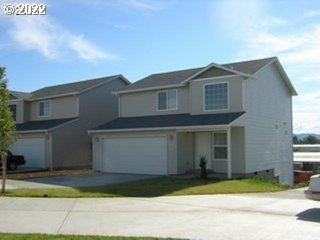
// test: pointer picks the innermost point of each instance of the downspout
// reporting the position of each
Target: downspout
(229, 152)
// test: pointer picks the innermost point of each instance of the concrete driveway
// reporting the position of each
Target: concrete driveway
(241, 216)
(80, 180)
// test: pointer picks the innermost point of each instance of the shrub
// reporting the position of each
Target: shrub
(203, 166)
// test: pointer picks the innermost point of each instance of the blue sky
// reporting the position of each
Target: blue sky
(83, 39)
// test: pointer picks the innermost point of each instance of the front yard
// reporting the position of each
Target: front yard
(162, 186)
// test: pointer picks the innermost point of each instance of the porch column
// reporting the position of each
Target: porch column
(229, 152)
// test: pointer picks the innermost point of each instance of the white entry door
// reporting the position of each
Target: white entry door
(139, 155)
(33, 150)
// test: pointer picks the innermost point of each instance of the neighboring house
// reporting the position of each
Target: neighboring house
(307, 157)
(239, 115)
(52, 122)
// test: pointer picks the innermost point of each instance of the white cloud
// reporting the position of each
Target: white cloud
(88, 51)
(37, 33)
(43, 34)
(294, 41)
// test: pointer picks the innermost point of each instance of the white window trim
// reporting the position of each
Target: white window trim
(166, 91)
(213, 146)
(204, 98)
(49, 108)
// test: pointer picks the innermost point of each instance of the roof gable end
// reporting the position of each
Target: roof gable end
(217, 66)
(283, 75)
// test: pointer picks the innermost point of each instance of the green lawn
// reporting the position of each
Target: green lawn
(4, 236)
(163, 186)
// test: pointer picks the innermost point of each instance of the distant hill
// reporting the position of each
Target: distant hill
(302, 136)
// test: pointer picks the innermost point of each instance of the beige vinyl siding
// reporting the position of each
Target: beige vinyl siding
(62, 107)
(145, 103)
(26, 111)
(19, 110)
(238, 162)
(185, 149)
(196, 92)
(268, 124)
(204, 146)
(72, 146)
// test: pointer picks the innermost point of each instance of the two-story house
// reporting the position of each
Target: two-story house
(52, 122)
(238, 115)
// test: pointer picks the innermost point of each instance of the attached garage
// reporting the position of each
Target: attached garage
(33, 149)
(138, 155)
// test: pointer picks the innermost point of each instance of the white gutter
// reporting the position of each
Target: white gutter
(90, 132)
(33, 131)
(149, 88)
(53, 96)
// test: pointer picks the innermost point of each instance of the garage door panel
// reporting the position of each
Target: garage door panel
(33, 149)
(142, 155)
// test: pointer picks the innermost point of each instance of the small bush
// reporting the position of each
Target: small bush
(203, 166)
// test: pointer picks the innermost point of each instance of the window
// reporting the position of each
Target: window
(44, 108)
(216, 96)
(220, 146)
(13, 109)
(167, 100)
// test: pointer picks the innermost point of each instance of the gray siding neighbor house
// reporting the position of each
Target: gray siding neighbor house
(52, 122)
(239, 115)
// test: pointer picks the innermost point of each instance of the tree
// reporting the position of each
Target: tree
(295, 140)
(311, 140)
(7, 126)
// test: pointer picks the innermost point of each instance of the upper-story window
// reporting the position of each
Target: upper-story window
(216, 96)
(13, 109)
(44, 108)
(168, 100)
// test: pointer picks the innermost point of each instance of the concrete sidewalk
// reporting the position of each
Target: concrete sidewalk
(241, 216)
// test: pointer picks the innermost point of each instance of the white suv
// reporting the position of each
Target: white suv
(313, 192)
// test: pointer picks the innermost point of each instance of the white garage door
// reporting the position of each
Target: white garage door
(141, 155)
(33, 150)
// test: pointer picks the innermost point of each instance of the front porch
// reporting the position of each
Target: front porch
(223, 147)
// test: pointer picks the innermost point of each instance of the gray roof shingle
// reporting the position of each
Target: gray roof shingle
(22, 95)
(162, 79)
(172, 120)
(69, 87)
(249, 67)
(62, 89)
(177, 77)
(42, 125)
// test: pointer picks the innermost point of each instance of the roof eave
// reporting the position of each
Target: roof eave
(149, 88)
(33, 131)
(283, 74)
(286, 78)
(53, 96)
(196, 127)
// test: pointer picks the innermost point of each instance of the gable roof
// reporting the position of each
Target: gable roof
(249, 67)
(65, 89)
(245, 68)
(168, 121)
(163, 79)
(21, 95)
